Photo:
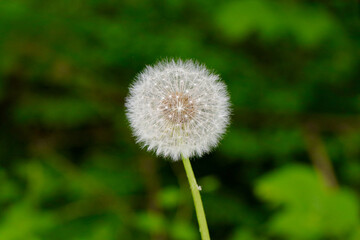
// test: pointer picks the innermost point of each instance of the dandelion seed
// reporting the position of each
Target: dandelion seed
(179, 113)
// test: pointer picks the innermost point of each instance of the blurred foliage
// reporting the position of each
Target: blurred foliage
(309, 210)
(288, 167)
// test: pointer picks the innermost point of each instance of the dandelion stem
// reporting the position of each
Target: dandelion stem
(204, 231)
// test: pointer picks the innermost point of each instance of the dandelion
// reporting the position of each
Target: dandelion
(179, 110)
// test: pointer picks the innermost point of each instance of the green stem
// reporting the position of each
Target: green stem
(204, 231)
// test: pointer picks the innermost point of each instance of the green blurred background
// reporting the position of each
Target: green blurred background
(288, 167)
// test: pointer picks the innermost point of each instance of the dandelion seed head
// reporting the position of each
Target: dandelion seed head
(172, 115)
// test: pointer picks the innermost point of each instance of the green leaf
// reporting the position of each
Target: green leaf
(183, 230)
(309, 209)
(22, 221)
(169, 197)
(151, 222)
(307, 24)
(243, 234)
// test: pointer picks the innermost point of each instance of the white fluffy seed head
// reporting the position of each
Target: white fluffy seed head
(178, 108)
